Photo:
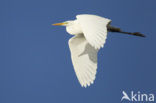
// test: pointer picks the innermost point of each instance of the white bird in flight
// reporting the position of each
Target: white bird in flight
(90, 35)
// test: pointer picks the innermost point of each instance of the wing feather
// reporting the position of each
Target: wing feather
(84, 59)
(94, 29)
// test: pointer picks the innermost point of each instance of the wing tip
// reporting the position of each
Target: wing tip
(85, 85)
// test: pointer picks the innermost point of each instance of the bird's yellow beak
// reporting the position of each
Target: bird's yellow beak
(59, 24)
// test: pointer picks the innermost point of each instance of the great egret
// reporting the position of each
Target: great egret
(90, 35)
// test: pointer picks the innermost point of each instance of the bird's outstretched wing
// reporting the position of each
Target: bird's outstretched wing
(94, 29)
(84, 59)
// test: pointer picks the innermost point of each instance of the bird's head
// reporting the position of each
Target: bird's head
(66, 23)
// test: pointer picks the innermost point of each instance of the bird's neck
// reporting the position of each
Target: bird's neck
(74, 29)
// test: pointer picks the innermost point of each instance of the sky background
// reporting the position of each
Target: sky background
(35, 62)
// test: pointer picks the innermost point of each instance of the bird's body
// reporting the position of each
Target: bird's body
(90, 35)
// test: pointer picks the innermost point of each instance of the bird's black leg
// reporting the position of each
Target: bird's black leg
(118, 30)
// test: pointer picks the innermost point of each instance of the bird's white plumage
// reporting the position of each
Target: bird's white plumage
(84, 59)
(94, 29)
(90, 35)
